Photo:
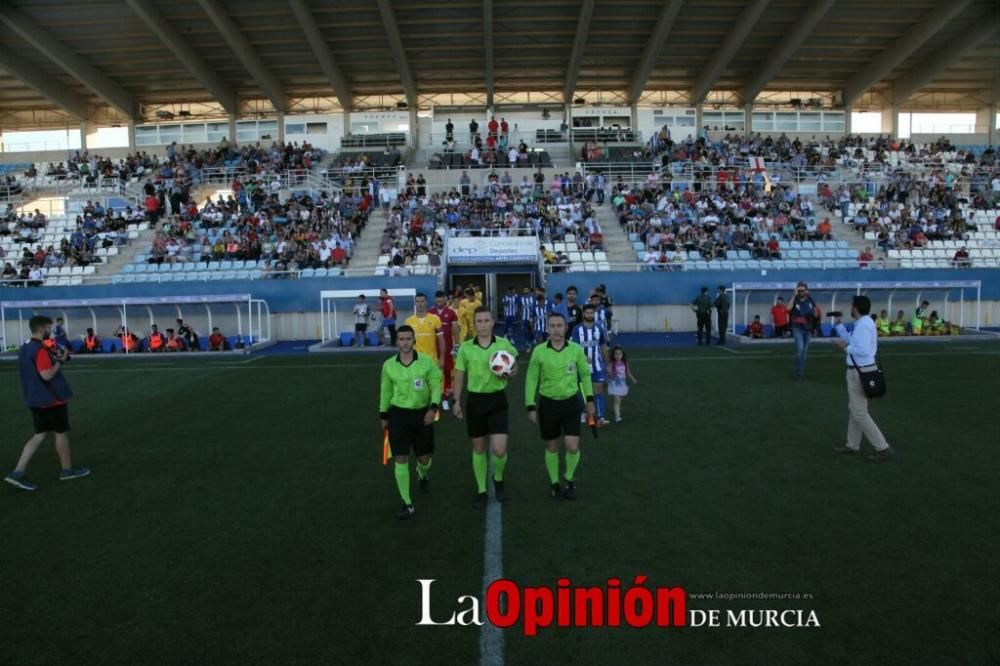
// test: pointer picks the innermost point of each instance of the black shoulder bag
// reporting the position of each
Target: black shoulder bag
(872, 381)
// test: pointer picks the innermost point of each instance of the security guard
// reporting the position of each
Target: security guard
(722, 307)
(702, 306)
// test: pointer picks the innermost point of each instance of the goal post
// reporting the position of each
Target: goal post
(337, 304)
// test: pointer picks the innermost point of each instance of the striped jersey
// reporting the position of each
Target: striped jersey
(527, 303)
(510, 305)
(541, 319)
(591, 338)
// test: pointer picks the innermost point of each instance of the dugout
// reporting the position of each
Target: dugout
(956, 301)
(244, 320)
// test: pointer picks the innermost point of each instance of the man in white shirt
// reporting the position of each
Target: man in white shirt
(861, 347)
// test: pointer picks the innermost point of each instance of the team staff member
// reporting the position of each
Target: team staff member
(803, 315)
(702, 306)
(409, 395)
(556, 372)
(487, 415)
(450, 330)
(722, 309)
(47, 394)
(861, 348)
(427, 331)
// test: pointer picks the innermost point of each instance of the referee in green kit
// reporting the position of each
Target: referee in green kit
(409, 396)
(485, 411)
(556, 372)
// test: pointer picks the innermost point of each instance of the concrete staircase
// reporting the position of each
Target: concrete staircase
(366, 251)
(616, 242)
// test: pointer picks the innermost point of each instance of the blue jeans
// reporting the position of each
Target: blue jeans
(801, 337)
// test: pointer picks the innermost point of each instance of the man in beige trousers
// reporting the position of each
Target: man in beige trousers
(861, 347)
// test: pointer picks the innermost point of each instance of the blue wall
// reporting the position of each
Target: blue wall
(281, 295)
(677, 288)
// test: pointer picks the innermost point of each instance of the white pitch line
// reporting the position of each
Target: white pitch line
(491, 636)
(725, 348)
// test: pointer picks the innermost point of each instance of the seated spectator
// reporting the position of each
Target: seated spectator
(865, 258)
(755, 330)
(773, 248)
(217, 341)
(823, 230)
(961, 258)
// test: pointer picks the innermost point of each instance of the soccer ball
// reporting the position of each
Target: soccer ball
(501, 363)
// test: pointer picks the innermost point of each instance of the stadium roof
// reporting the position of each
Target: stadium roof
(71, 54)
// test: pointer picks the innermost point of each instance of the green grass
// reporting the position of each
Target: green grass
(238, 513)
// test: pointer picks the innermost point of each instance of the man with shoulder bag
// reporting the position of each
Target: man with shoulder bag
(864, 381)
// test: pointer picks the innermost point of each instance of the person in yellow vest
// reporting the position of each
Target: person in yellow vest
(882, 324)
(919, 319)
(898, 325)
(936, 325)
(466, 313)
(429, 338)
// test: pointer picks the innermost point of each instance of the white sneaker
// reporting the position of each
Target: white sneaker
(444, 405)
(583, 418)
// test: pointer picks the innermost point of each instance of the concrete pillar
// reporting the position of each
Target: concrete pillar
(568, 121)
(847, 119)
(84, 128)
(232, 128)
(986, 122)
(414, 128)
(699, 119)
(748, 119)
(634, 117)
(890, 121)
(131, 135)
(281, 128)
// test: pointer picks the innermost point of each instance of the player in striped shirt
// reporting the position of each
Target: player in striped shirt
(541, 320)
(526, 305)
(593, 337)
(510, 310)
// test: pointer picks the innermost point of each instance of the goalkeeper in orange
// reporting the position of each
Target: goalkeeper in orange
(409, 395)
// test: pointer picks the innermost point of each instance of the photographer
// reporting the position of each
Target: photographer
(47, 395)
(803, 315)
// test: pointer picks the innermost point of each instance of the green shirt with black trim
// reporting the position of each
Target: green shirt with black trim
(557, 373)
(415, 385)
(474, 361)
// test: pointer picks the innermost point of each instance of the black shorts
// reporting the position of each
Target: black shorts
(51, 419)
(360, 328)
(486, 414)
(407, 432)
(558, 417)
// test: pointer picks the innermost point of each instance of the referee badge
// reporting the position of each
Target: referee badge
(418, 383)
(571, 368)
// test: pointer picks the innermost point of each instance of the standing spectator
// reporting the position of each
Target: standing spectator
(865, 258)
(779, 318)
(722, 310)
(702, 306)
(47, 394)
(861, 348)
(803, 316)
(361, 312)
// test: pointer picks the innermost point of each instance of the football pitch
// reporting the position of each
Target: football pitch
(238, 512)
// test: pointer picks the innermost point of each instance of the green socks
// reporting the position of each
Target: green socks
(403, 482)
(422, 469)
(479, 465)
(552, 465)
(499, 465)
(572, 460)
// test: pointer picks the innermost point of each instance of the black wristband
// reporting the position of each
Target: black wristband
(531, 408)
(434, 406)
(590, 398)
(384, 416)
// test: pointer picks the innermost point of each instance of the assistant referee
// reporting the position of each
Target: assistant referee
(486, 413)
(557, 371)
(410, 393)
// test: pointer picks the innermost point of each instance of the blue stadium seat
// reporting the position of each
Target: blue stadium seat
(139, 268)
(112, 346)
(346, 337)
(307, 273)
(226, 265)
(321, 272)
(742, 254)
(334, 272)
(796, 245)
(76, 346)
(373, 339)
(128, 268)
